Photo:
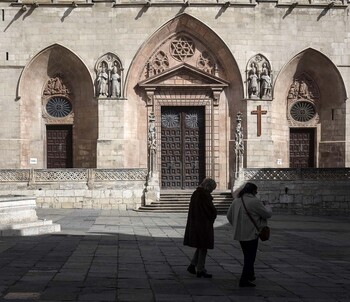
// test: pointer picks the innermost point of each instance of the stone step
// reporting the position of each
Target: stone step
(34, 228)
(178, 202)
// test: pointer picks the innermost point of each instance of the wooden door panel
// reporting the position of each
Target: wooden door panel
(301, 147)
(182, 147)
(59, 146)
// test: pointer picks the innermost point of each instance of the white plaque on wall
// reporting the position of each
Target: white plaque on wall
(33, 161)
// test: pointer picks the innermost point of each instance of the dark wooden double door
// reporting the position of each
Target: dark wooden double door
(182, 147)
(59, 146)
(301, 147)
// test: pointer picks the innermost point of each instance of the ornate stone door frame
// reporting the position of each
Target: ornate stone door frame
(185, 85)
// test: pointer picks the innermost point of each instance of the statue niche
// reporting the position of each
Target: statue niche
(109, 77)
(259, 78)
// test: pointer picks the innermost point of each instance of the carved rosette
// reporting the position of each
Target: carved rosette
(158, 63)
(205, 63)
(302, 102)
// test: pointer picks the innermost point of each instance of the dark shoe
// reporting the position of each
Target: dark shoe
(191, 269)
(246, 284)
(204, 274)
(251, 279)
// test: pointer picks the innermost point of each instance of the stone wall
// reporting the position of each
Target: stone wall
(77, 188)
(301, 191)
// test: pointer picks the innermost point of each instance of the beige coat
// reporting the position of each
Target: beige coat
(243, 227)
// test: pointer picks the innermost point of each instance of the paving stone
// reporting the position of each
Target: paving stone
(305, 260)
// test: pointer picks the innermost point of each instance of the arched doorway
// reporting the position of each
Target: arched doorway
(186, 77)
(311, 109)
(58, 111)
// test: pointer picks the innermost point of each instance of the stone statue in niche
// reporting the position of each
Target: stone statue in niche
(102, 81)
(265, 82)
(108, 76)
(115, 81)
(259, 78)
(253, 87)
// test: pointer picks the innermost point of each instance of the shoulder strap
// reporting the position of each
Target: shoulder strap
(250, 216)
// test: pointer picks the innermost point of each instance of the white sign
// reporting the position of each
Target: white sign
(33, 161)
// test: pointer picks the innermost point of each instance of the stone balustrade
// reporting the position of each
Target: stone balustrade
(77, 188)
(305, 191)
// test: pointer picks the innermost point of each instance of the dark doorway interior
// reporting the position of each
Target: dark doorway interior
(59, 146)
(182, 147)
(302, 147)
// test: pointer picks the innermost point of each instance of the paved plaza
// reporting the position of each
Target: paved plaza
(110, 255)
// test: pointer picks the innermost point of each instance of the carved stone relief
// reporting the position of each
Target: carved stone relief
(259, 78)
(56, 86)
(182, 48)
(303, 98)
(108, 76)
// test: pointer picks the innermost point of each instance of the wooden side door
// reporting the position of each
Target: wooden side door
(301, 147)
(182, 147)
(59, 146)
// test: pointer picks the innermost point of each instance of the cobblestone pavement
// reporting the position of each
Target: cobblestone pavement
(134, 256)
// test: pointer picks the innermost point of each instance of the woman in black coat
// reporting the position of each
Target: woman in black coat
(199, 231)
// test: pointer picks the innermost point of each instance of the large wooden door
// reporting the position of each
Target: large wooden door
(59, 146)
(301, 147)
(182, 147)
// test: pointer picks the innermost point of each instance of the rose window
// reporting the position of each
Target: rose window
(303, 111)
(58, 107)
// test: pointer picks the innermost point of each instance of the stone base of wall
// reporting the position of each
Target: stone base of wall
(77, 189)
(301, 191)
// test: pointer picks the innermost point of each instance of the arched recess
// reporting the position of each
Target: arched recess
(310, 84)
(187, 83)
(57, 73)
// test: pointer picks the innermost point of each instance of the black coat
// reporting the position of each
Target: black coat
(202, 213)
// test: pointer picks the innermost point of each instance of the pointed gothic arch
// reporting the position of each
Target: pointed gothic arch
(60, 67)
(186, 64)
(322, 99)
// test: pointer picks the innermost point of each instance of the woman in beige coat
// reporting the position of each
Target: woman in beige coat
(244, 230)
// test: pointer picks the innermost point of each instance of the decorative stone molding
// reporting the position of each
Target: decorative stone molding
(182, 48)
(70, 175)
(297, 174)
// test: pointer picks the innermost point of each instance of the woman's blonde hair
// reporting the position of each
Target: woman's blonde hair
(208, 184)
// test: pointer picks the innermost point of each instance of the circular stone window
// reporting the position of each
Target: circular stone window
(58, 107)
(303, 111)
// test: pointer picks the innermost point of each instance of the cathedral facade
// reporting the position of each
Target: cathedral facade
(185, 89)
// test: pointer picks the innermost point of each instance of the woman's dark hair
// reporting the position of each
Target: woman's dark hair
(208, 184)
(248, 188)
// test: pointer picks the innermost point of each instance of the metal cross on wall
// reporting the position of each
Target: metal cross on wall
(259, 113)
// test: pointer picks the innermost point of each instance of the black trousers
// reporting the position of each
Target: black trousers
(249, 249)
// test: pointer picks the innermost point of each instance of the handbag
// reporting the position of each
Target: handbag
(264, 233)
